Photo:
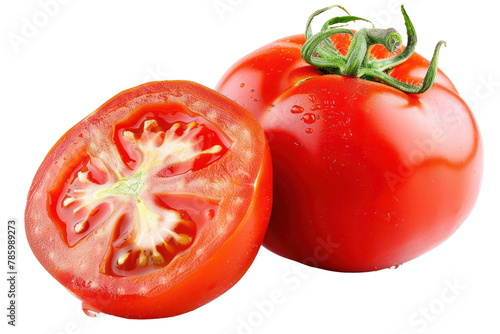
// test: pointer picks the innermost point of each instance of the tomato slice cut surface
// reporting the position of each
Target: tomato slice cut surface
(146, 193)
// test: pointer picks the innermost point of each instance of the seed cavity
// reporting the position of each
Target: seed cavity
(83, 176)
(150, 124)
(158, 259)
(81, 226)
(213, 150)
(67, 201)
(122, 259)
(143, 259)
(154, 236)
(169, 248)
(129, 135)
(169, 146)
(183, 239)
(191, 125)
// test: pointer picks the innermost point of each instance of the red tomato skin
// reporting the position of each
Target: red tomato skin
(147, 297)
(366, 177)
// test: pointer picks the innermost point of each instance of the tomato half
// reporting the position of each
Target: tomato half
(366, 176)
(155, 204)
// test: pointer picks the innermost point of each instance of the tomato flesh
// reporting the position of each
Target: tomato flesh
(74, 220)
(159, 119)
(142, 193)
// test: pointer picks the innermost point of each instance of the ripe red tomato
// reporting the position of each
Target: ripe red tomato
(155, 204)
(366, 176)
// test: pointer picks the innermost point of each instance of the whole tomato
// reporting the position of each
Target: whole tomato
(376, 157)
(154, 204)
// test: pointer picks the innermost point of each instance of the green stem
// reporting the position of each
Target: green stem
(336, 23)
(409, 88)
(312, 45)
(385, 64)
(320, 51)
(316, 13)
(357, 54)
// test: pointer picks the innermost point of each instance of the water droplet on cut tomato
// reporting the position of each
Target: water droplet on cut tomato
(242, 85)
(312, 98)
(90, 311)
(297, 109)
(210, 214)
(309, 118)
(309, 130)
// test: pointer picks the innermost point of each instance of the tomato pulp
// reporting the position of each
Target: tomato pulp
(154, 204)
(366, 176)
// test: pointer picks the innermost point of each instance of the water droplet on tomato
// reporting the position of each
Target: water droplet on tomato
(316, 107)
(210, 214)
(395, 266)
(252, 90)
(312, 98)
(297, 109)
(90, 311)
(309, 118)
(242, 85)
(309, 130)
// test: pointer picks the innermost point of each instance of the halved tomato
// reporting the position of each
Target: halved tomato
(154, 204)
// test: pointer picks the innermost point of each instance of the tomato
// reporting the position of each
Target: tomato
(366, 176)
(154, 204)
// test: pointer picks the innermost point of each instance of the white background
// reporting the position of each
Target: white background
(87, 51)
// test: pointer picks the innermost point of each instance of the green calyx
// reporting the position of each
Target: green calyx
(359, 63)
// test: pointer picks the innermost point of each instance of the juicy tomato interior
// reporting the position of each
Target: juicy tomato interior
(154, 204)
(162, 140)
(75, 223)
(154, 122)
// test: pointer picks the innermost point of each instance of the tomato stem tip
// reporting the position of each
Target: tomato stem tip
(320, 51)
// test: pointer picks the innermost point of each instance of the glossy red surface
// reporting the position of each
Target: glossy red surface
(366, 177)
